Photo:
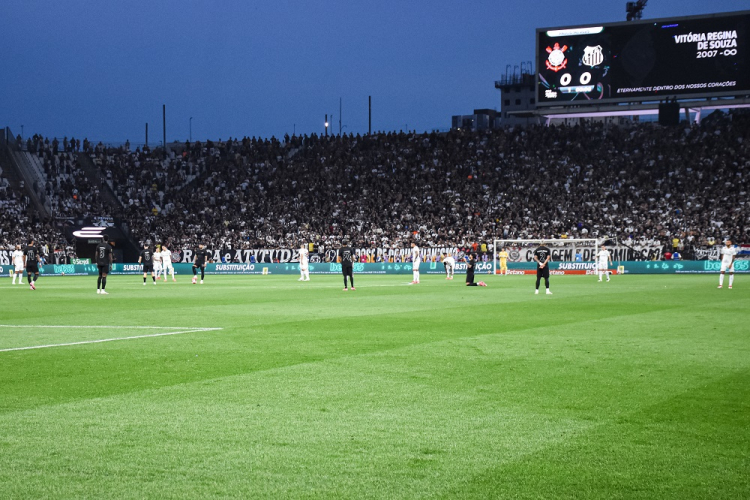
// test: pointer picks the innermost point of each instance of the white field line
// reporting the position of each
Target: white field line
(99, 341)
(103, 327)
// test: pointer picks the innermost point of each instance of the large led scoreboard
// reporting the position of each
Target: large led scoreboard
(646, 60)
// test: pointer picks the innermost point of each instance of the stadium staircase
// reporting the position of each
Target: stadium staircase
(28, 169)
(96, 177)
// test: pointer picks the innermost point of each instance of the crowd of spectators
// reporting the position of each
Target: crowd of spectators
(639, 182)
(71, 193)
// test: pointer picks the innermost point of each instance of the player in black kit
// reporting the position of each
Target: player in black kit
(103, 261)
(542, 257)
(147, 259)
(346, 258)
(32, 255)
(199, 262)
(471, 264)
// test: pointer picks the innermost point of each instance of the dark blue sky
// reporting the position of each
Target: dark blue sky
(103, 69)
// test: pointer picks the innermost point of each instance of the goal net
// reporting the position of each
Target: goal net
(575, 252)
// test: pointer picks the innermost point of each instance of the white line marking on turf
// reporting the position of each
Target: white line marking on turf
(99, 341)
(102, 326)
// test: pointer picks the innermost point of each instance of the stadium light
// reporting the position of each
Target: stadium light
(634, 10)
(326, 122)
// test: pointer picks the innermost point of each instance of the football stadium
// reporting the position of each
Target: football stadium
(547, 299)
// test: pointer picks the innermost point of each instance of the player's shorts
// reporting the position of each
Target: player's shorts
(727, 267)
(503, 264)
(148, 268)
(448, 268)
(415, 266)
(103, 268)
(347, 270)
(167, 266)
(19, 268)
(157, 266)
(199, 264)
(32, 268)
(542, 272)
(603, 264)
(303, 267)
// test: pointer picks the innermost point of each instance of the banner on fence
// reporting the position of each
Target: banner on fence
(556, 268)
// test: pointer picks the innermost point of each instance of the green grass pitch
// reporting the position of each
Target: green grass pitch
(265, 387)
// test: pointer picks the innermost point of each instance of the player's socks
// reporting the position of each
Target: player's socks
(731, 280)
(99, 283)
(721, 279)
(548, 292)
(104, 283)
(153, 278)
(144, 280)
(536, 292)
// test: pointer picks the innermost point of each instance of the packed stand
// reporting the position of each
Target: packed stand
(638, 183)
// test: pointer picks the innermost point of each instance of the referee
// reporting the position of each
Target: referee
(542, 257)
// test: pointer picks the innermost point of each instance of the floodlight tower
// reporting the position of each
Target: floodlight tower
(634, 10)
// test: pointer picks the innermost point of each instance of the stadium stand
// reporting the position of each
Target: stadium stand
(639, 183)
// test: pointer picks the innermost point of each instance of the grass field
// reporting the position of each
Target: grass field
(266, 387)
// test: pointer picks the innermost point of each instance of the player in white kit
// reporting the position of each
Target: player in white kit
(166, 262)
(17, 257)
(728, 253)
(157, 262)
(603, 258)
(304, 264)
(416, 258)
(450, 263)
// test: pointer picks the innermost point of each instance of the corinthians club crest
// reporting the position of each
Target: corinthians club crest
(556, 59)
(593, 56)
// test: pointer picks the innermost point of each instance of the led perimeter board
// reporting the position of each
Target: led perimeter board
(698, 56)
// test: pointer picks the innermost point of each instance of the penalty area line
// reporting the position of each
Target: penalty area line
(99, 341)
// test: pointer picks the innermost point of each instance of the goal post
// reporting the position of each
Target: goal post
(563, 250)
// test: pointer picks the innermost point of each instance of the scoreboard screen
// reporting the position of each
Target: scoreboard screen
(646, 60)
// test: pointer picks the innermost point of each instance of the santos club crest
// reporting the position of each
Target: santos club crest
(593, 56)
(556, 59)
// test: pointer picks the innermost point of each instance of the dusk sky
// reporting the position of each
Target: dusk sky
(103, 69)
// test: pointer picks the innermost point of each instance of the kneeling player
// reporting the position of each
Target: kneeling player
(449, 263)
(103, 261)
(199, 262)
(471, 264)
